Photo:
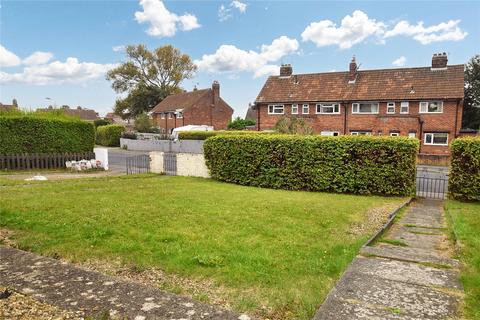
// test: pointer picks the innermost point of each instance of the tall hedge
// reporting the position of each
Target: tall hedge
(346, 164)
(202, 135)
(31, 134)
(109, 135)
(464, 181)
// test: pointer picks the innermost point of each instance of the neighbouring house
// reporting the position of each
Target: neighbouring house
(251, 112)
(82, 113)
(7, 107)
(116, 119)
(197, 107)
(425, 102)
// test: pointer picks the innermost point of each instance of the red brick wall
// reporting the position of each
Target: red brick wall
(381, 123)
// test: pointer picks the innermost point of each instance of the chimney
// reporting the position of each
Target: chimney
(439, 61)
(216, 92)
(286, 70)
(352, 75)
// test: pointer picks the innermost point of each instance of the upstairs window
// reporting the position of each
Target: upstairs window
(391, 107)
(431, 107)
(179, 115)
(306, 109)
(162, 115)
(170, 115)
(330, 108)
(365, 107)
(275, 109)
(294, 108)
(436, 138)
(404, 107)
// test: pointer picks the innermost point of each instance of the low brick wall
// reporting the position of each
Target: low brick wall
(433, 160)
(181, 146)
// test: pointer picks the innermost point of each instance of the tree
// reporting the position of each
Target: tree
(471, 106)
(148, 77)
(240, 124)
(143, 123)
(15, 103)
(293, 126)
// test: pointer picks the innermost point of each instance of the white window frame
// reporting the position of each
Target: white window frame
(404, 104)
(356, 105)
(162, 115)
(432, 134)
(360, 133)
(179, 115)
(275, 107)
(170, 115)
(307, 106)
(412, 134)
(426, 104)
(294, 107)
(319, 108)
(390, 105)
(330, 133)
(394, 134)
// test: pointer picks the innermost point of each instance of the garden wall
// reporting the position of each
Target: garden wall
(365, 165)
(183, 146)
(464, 181)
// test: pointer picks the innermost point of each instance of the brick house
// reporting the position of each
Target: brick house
(197, 107)
(426, 103)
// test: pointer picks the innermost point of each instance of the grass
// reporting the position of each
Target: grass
(273, 253)
(464, 224)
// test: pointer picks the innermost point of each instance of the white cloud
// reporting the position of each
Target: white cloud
(230, 59)
(38, 57)
(400, 62)
(445, 31)
(242, 7)
(7, 58)
(352, 30)
(359, 27)
(70, 71)
(164, 23)
(224, 13)
(119, 48)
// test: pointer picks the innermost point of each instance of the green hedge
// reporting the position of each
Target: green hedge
(365, 165)
(31, 134)
(109, 135)
(464, 181)
(203, 135)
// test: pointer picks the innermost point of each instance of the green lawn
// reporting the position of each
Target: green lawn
(464, 223)
(274, 253)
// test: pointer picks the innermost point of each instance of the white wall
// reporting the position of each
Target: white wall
(192, 165)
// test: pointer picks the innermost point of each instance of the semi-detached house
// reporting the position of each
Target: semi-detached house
(426, 102)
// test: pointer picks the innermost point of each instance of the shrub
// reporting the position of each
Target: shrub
(37, 133)
(129, 135)
(202, 135)
(240, 124)
(293, 126)
(101, 122)
(464, 181)
(144, 124)
(109, 135)
(365, 165)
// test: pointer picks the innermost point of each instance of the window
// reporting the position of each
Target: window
(361, 133)
(436, 138)
(404, 107)
(275, 109)
(332, 108)
(179, 115)
(170, 115)
(162, 115)
(294, 108)
(367, 107)
(306, 109)
(412, 134)
(329, 133)
(391, 107)
(394, 134)
(431, 107)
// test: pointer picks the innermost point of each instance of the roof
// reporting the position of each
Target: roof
(6, 107)
(82, 113)
(185, 100)
(384, 84)
(251, 113)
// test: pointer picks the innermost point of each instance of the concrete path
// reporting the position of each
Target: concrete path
(412, 277)
(70, 288)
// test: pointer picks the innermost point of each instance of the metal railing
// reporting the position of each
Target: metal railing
(138, 164)
(432, 187)
(170, 163)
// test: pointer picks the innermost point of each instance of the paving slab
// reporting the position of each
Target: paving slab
(71, 288)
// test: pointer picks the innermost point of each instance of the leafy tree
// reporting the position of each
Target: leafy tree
(240, 124)
(101, 122)
(143, 123)
(293, 126)
(471, 109)
(148, 77)
(15, 103)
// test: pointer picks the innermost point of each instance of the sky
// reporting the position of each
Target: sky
(62, 49)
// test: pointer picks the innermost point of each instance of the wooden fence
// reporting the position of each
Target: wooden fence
(25, 161)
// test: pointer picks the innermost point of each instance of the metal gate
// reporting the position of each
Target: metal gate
(433, 187)
(170, 163)
(138, 164)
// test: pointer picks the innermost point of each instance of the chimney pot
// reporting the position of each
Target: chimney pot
(286, 70)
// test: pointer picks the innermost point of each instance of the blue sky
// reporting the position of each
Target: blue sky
(62, 49)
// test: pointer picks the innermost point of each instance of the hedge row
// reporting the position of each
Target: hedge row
(30, 134)
(346, 164)
(464, 180)
(109, 135)
(203, 135)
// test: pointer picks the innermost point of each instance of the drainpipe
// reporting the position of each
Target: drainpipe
(456, 118)
(345, 118)
(256, 106)
(421, 134)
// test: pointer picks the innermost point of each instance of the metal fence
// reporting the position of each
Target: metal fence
(170, 163)
(26, 161)
(138, 164)
(432, 187)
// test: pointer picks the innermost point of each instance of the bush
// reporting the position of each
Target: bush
(464, 181)
(129, 135)
(202, 135)
(109, 135)
(144, 124)
(293, 126)
(101, 122)
(240, 124)
(36, 133)
(365, 165)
